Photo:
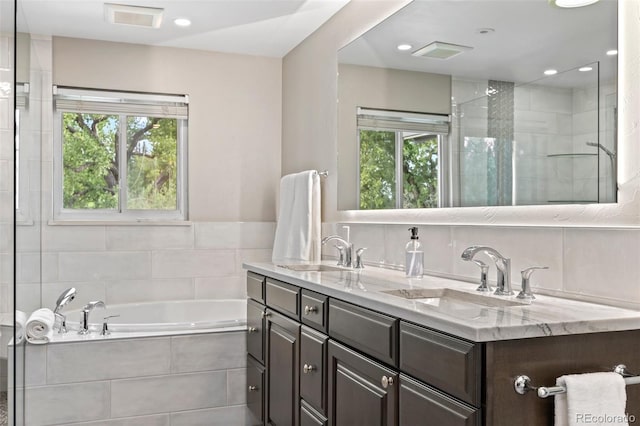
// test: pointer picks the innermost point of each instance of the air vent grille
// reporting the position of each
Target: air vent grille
(137, 16)
(440, 50)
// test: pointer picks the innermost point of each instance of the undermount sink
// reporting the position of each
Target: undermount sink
(312, 268)
(433, 296)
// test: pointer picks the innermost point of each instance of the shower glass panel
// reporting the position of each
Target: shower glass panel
(551, 141)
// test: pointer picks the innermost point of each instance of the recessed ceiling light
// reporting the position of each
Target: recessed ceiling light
(182, 22)
(550, 72)
(612, 52)
(571, 3)
(585, 69)
(404, 47)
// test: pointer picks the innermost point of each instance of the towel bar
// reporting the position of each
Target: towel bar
(522, 383)
(323, 174)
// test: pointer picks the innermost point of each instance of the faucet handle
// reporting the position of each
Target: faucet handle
(105, 326)
(359, 264)
(341, 250)
(484, 273)
(526, 293)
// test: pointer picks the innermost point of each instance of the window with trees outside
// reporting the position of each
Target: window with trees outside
(119, 155)
(400, 158)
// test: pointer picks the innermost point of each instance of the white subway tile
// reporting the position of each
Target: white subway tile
(27, 297)
(221, 288)
(235, 235)
(251, 255)
(193, 263)
(603, 262)
(149, 237)
(112, 359)
(74, 266)
(35, 359)
(73, 238)
(164, 394)
(81, 402)
(155, 420)
(547, 99)
(129, 291)
(224, 416)
(223, 350)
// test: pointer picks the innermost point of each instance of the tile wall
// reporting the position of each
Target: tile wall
(593, 264)
(147, 381)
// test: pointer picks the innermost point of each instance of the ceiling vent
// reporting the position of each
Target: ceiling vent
(440, 50)
(146, 17)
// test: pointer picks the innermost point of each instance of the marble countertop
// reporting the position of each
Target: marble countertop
(474, 319)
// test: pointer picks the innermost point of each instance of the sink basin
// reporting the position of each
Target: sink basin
(434, 296)
(312, 268)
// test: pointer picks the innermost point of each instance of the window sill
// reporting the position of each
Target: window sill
(75, 222)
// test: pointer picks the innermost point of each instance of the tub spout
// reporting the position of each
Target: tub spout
(84, 327)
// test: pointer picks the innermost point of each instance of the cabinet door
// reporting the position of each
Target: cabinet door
(255, 330)
(313, 349)
(283, 349)
(422, 405)
(361, 391)
(309, 416)
(255, 391)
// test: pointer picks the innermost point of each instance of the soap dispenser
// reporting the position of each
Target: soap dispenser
(414, 261)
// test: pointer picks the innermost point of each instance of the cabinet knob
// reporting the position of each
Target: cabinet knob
(252, 329)
(310, 310)
(252, 388)
(266, 314)
(387, 381)
(308, 368)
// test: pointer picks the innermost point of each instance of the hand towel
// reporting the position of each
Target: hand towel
(594, 398)
(298, 229)
(20, 324)
(39, 328)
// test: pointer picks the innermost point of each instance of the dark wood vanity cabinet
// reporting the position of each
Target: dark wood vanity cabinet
(314, 360)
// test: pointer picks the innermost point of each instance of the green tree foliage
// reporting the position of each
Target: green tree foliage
(91, 162)
(378, 171)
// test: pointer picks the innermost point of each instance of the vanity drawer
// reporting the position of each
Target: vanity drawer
(255, 330)
(255, 286)
(313, 355)
(419, 402)
(283, 297)
(255, 391)
(313, 310)
(447, 363)
(371, 332)
(309, 416)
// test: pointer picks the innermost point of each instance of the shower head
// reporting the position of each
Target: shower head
(602, 147)
(67, 296)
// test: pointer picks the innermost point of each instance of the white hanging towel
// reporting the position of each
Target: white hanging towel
(39, 328)
(594, 399)
(298, 229)
(21, 323)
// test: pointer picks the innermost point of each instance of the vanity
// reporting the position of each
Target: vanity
(331, 346)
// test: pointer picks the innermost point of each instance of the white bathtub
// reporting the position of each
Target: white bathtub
(166, 317)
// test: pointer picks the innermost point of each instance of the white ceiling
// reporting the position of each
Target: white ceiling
(530, 36)
(253, 27)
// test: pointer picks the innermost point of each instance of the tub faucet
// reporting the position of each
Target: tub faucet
(348, 248)
(503, 267)
(84, 327)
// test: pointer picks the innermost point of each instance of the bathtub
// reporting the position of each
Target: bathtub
(194, 351)
(171, 317)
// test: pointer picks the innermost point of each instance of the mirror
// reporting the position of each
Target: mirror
(490, 103)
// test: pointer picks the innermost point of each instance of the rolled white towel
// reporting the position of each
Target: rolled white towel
(40, 326)
(21, 323)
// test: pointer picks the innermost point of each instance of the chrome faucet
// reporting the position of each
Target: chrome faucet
(84, 327)
(348, 248)
(503, 267)
(65, 298)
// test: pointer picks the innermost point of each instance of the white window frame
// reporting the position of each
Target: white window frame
(126, 100)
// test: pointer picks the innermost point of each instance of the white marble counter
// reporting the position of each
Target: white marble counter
(544, 316)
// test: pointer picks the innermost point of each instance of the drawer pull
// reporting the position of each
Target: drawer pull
(252, 388)
(252, 329)
(308, 368)
(310, 310)
(387, 381)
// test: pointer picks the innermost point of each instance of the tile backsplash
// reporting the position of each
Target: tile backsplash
(587, 263)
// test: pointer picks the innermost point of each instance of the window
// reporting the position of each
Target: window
(401, 158)
(119, 155)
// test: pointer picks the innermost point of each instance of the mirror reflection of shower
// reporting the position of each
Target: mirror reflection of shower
(612, 167)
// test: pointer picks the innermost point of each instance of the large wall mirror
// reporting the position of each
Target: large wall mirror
(480, 103)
